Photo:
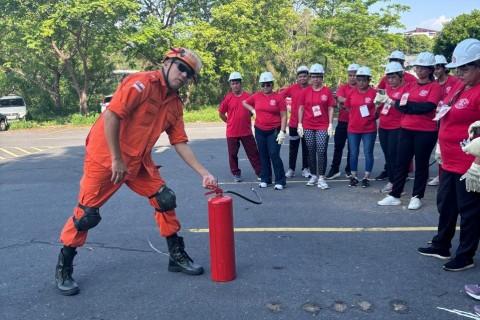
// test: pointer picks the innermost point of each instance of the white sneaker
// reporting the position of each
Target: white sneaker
(415, 203)
(278, 187)
(322, 184)
(434, 182)
(306, 173)
(290, 173)
(390, 201)
(263, 185)
(313, 180)
(388, 188)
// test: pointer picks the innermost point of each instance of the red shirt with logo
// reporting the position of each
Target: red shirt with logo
(454, 127)
(316, 104)
(343, 91)
(239, 123)
(294, 91)
(362, 111)
(429, 92)
(407, 77)
(390, 117)
(448, 85)
(267, 109)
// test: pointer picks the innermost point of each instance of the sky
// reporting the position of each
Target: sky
(432, 14)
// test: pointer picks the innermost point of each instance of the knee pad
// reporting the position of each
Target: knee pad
(89, 219)
(166, 199)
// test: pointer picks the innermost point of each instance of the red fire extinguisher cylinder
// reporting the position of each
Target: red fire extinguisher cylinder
(222, 242)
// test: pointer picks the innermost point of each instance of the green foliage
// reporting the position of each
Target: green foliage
(202, 114)
(462, 27)
(417, 44)
(79, 120)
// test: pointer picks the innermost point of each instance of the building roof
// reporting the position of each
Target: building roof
(420, 30)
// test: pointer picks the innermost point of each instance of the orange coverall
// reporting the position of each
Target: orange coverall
(146, 108)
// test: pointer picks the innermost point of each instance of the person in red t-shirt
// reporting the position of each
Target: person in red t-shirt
(395, 56)
(342, 123)
(459, 189)
(315, 121)
(446, 82)
(418, 131)
(389, 123)
(293, 92)
(270, 113)
(239, 127)
(362, 125)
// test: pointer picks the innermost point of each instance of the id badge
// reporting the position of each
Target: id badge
(443, 111)
(404, 99)
(316, 111)
(364, 111)
(385, 109)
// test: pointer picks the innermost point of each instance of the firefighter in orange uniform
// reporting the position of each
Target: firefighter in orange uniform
(118, 151)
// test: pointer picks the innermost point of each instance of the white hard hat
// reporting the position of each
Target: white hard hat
(393, 67)
(266, 77)
(235, 76)
(302, 69)
(466, 51)
(353, 67)
(397, 55)
(317, 68)
(425, 59)
(364, 71)
(439, 59)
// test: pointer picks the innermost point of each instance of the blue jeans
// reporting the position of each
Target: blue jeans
(368, 144)
(269, 150)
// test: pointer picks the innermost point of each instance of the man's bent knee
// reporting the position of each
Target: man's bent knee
(89, 219)
(165, 198)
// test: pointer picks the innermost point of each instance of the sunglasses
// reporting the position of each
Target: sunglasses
(183, 68)
(266, 84)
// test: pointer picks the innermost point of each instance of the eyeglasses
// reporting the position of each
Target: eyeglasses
(183, 68)
(316, 77)
(266, 84)
(363, 79)
(465, 68)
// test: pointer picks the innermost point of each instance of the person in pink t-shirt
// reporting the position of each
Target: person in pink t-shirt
(418, 131)
(315, 121)
(239, 127)
(270, 113)
(342, 123)
(293, 92)
(459, 189)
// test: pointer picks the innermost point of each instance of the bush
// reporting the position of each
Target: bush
(78, 120)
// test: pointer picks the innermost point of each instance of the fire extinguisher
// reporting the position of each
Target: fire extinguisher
(222, 242)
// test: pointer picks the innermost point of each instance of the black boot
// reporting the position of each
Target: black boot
(63, 273)
(179, 260)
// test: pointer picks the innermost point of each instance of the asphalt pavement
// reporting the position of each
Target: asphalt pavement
(303, 253)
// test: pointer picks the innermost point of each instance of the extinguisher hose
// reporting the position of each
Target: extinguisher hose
(243, 197)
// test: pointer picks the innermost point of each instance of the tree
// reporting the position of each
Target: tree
(462, 27)
(417, 44)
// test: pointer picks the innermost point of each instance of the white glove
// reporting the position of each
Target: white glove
(381, 98)
(300, 130)
(281, 137)
(472, 178)
(438, 154)
(474, 129)
(473, 147)
(253, 112)
(330, 131)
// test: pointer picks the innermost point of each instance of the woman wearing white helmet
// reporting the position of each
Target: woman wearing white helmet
(362, 125)
(446, 82)
(315, 118)
(294, 92)
(418, 131)
(459, 189)
(397, 56)
(389, 123)
(270, 113)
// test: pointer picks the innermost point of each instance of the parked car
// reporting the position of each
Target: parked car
(3, 122)
(13, 107)
(106, 101)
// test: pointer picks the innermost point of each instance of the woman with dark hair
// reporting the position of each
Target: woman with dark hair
(418, 132)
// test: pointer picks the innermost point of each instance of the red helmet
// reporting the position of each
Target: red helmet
(187, 56)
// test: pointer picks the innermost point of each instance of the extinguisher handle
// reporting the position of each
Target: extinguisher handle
(248, 199)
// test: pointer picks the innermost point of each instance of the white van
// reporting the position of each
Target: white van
(13, 107)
